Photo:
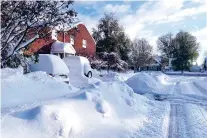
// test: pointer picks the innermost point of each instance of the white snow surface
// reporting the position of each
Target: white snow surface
(78, 66)
(18, 89)
(143, 83)
(50, 64)
(36, 105)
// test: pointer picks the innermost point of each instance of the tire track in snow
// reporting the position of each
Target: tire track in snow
(200, 88)
(178, 122)
(173, 129)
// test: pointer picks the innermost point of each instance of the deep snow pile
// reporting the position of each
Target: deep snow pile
(19, 89)
(112, 76)
(78, 66)
(148, 83)
(160, 77)
(92, 111)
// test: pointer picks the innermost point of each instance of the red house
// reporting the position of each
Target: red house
(72, 41)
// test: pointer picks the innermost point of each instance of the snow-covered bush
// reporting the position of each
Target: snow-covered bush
(23, 22)
(103, 56)
(108, 61)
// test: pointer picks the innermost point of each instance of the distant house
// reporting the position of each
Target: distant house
(154, 64)
(70, 42)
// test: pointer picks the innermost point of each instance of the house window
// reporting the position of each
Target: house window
(72, 39)
(84, 43)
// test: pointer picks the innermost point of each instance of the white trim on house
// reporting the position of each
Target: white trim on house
(54, 34)
(62, 48)
(84, 43)
(72, 41)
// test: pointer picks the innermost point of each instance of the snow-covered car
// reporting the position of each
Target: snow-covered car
(52, 65)
(195, 68)
(78, 64)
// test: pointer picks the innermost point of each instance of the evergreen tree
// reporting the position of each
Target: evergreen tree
(110, 37)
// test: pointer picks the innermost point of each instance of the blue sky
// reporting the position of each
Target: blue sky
(150, 19)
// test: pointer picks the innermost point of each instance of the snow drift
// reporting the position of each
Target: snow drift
(148, 82)
(18, 89)
(100, 107)
(50, 64)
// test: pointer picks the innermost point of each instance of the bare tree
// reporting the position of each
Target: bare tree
(141, 52)
(22, 22)
(165, 45)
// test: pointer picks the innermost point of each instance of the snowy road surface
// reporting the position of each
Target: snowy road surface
(184, 114)
(36, 106)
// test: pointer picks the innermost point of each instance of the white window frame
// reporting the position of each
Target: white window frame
(54, 35)
(84, 43)
(72, 39)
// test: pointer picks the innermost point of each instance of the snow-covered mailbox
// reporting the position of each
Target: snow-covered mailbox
(62, 49)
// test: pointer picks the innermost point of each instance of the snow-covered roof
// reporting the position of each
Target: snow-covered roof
(157, 58)
(67, 27)
(62, 47)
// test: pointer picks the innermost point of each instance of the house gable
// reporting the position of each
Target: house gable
(78, 36)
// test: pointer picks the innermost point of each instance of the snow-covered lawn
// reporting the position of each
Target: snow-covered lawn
(36, 105)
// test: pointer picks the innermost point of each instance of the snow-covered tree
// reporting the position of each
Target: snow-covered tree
(110, 37)
(165, 44)
(22, 22)
(141, 52)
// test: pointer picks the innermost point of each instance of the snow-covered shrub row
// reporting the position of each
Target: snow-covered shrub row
(108, 61)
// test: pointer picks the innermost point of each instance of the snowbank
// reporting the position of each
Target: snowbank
(143, 83)
(112, 76)
(160, 77)
(78, 66)
(98, 108)
(18, 89)
(55, 120)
